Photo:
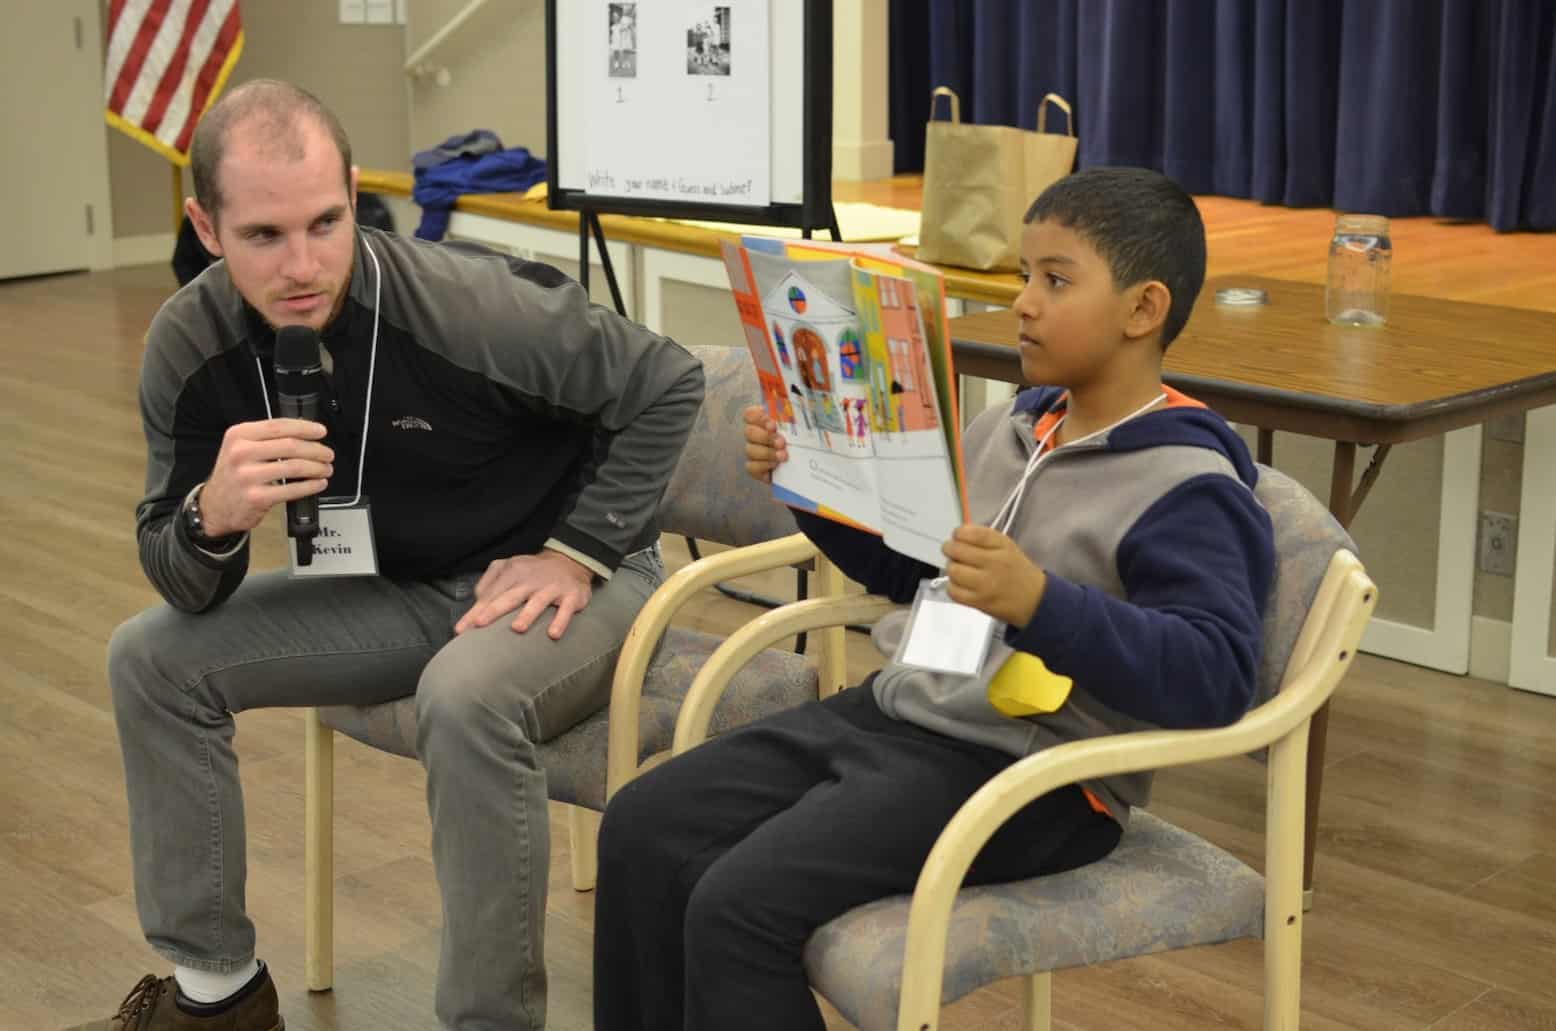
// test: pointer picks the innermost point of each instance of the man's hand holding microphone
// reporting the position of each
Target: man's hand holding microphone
(275, 461)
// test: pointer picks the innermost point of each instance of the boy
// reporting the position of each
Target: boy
(1126, 550)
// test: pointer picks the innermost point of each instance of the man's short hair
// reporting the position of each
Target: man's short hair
(278, 108)
(1141, 223)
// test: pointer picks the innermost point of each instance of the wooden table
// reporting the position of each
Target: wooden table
(1437, 366)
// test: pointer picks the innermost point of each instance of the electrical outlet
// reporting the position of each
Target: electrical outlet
(1506, 428)
(1498, 543)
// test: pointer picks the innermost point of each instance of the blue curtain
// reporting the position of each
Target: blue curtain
(1395, 107)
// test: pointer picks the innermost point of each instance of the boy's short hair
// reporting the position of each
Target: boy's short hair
(1141, 223)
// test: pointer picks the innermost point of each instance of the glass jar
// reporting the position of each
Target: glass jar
(1359, 255)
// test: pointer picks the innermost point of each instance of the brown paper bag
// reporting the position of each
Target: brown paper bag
(979, 181)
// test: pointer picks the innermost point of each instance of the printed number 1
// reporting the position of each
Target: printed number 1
(619, 98)
(711, 97)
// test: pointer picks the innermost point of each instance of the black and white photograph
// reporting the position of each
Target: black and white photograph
(624, 41)
(707, 43)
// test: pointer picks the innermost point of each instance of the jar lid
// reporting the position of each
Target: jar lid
(1360, 223)
(1241, 297)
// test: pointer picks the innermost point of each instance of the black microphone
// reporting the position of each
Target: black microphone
(299, 384)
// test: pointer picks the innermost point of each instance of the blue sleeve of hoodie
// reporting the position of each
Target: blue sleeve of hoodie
(1183, 650)
(865, 558)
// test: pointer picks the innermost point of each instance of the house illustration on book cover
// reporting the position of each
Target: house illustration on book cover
(902, 397)
(820, 387)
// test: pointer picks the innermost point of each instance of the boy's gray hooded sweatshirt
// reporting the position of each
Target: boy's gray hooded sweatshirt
(1159, 562)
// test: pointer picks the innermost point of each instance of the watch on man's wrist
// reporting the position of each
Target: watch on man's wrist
(194, 524)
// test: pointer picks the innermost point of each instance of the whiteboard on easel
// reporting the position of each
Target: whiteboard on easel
(703, 107)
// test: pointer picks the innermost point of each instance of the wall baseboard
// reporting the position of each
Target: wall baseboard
(1491, 649)
(150, 249)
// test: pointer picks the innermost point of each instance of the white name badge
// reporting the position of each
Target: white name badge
(344, 543)
(943, 635)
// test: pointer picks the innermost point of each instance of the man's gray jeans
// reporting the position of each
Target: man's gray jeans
(483, 700)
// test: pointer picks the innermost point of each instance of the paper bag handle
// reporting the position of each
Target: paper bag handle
(956, 102)
(1042, 112)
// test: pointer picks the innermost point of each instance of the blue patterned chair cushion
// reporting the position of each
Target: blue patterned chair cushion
(1306, 538)
(1162, 888)
(710, 497)
(575, 760)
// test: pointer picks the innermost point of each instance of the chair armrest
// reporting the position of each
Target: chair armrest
(1345, 602)
(691, 725)
(649, 626)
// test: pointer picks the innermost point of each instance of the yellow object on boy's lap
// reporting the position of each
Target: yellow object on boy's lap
(1024, 686)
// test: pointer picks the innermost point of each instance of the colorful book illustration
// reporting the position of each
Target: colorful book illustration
(851, 352)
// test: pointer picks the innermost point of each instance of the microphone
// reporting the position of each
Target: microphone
(299, 383)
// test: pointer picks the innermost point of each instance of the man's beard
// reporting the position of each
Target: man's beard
(335, 309)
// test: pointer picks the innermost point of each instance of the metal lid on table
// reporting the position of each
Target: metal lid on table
(1241, 297)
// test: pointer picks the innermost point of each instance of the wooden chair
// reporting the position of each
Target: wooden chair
(893, 963)
(709, 498)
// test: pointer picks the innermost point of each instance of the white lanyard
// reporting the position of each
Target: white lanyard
(372, 362)
(1007, 511)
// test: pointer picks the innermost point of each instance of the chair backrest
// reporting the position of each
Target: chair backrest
(710, 497)
(1306, 538)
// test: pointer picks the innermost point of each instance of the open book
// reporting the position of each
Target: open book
(851, 351)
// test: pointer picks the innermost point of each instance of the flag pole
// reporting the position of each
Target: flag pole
(178, 197)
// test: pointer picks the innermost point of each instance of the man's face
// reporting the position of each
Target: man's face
(285, 226)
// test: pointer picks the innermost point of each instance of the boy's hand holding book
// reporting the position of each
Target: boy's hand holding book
(987, 571)
(765, 447)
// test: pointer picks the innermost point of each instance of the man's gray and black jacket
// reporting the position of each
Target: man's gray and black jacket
(508, 414)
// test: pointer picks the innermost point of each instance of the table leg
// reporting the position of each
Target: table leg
(1266, 447)
(1341, 478)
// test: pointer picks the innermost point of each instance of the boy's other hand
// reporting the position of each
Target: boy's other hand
(765, 448)
(990, 573)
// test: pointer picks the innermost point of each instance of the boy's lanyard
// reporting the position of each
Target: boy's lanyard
(1007, 511)
(949, 637)
(372, 362)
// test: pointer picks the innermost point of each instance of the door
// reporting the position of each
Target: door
(50, 111)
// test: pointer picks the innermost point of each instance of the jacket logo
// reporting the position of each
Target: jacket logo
(412, 422)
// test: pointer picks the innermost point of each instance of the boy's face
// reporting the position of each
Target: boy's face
(1072, 316)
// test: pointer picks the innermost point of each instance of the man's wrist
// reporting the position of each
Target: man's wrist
(584, 562)
(199, 533)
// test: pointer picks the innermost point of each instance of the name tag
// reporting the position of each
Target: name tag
(344, 543)
(943, 635)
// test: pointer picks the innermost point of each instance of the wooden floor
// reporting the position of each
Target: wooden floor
(1437, 855)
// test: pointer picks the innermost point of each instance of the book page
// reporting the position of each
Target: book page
(812, 376)
(920, 503)
(930, 286)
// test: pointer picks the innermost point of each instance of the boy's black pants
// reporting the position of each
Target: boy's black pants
(715, 868)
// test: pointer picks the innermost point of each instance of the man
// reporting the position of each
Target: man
(510, 443)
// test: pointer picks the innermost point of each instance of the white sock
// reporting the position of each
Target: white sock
(204, 986)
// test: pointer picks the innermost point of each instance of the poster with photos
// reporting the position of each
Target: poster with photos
(709, 61)
(623, 40)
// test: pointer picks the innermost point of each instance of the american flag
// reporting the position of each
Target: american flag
(167, 60)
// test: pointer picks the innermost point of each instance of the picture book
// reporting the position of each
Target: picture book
(854, 364)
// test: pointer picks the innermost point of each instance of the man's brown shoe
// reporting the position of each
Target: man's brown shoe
(152, 1005)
